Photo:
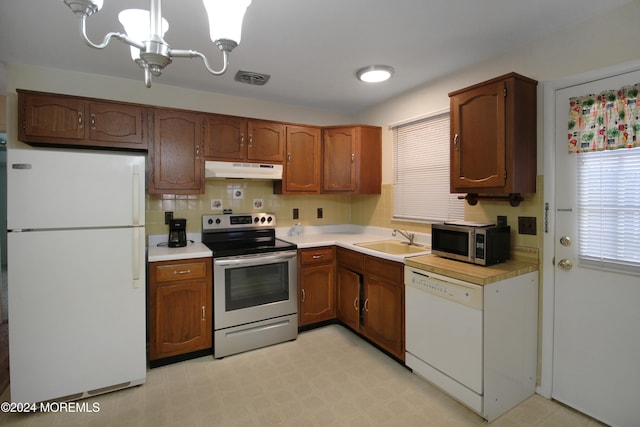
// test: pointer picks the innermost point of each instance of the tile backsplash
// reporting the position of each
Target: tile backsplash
(245, 196)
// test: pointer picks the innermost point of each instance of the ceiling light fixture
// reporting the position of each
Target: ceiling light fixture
(145, 32)
(375, 73)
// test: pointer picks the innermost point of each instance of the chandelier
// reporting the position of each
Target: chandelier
(145, 32)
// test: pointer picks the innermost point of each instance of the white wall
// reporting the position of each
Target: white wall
(611, 38)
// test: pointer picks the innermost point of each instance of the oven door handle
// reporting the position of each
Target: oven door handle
(258, 259)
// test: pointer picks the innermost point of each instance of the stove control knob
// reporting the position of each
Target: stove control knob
(256, 219)
(269, 219)
(217, 221)
(262, 220)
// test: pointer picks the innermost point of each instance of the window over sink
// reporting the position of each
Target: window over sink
(421, 171)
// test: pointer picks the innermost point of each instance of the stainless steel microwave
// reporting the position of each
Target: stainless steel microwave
(477, 243)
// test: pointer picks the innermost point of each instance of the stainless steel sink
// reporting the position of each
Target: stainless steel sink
(394, 247)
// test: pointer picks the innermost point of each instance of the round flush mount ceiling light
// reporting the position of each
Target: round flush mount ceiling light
(374, 73)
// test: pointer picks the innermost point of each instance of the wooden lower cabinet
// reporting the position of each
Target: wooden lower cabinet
(383, 320)
(371, 298)
(316, 299)
(180, 307)
(348, 290)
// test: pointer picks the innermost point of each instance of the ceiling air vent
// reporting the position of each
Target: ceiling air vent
(252, 78)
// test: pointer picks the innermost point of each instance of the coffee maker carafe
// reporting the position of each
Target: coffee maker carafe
(177, 233)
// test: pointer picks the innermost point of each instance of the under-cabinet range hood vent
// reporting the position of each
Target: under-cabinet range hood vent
(242, 170)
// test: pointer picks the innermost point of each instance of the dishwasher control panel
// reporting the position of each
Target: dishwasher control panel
(449, 288)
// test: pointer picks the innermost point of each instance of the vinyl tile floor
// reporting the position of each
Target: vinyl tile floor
(327, 377)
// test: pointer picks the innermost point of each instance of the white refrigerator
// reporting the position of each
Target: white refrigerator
(76, 273)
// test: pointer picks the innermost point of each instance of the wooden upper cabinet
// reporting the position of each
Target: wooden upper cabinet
(230, 138)
(339, 148)
(52, 119)
(302, 161)
(266, 141)
(352, 159)
(115, 123)
(176, 165)
(493, 137)
(225, 138)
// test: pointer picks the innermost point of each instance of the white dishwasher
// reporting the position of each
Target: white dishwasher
(444, 333)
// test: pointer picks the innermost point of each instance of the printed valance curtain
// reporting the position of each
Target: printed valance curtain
(607, 121)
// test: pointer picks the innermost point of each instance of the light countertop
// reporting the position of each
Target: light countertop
(165, 253)
(348, 237)
(523, 262)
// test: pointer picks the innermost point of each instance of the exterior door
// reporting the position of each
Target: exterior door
(596, 333)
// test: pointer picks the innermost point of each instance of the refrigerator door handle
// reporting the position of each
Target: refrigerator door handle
(136, 195)
(136, 257)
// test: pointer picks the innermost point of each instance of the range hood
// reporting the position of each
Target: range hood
(242, 170)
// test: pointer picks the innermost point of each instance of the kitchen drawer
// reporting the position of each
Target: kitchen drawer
(350, 259)
(172, 271)
(385, 269)
(316, 256)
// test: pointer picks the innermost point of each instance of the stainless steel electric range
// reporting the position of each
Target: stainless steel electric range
(255, 284)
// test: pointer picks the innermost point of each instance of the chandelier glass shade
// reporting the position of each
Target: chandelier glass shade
(136, 23)
(145, 32)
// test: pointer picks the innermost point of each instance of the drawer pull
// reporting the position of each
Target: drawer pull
(317, 256)
(182, 272)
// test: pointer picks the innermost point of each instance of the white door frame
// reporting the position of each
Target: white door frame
(548, 92)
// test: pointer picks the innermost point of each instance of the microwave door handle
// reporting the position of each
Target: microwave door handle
(254, 260)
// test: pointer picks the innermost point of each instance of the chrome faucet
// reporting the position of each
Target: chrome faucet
(409, 236)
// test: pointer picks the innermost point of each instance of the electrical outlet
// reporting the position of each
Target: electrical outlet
(296, 213)
(527, 225)
(319, 212)
(168, 216)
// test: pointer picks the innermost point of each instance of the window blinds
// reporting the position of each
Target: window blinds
(421, 171)
(609, 210)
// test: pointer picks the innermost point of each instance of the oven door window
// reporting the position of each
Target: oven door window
(253, 286)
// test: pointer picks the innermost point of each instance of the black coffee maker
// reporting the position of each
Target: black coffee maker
(177, 233)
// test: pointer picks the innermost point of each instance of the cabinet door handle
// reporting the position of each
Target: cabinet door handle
(93, 121)
(289, 157)
(197, 152)
(366, 305)
(241, 139)
(182, 272)
(456, 138)
(204, 313)
(80, 122)
(353, 157)
(250, 140)
(355, 304)
(304, 295)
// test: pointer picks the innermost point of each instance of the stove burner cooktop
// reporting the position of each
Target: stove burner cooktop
(242, 234)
